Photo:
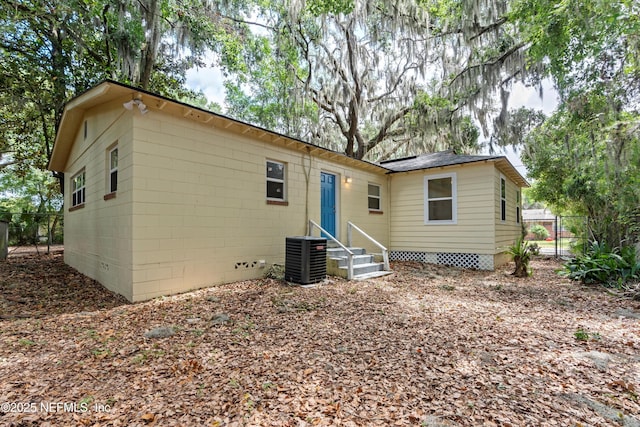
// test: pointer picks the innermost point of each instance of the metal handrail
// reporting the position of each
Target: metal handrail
(385, 252)
(346, 249)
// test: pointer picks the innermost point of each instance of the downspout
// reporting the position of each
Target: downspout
(307, 178)
(389, 192)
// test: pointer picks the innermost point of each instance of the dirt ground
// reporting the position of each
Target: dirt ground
(426, 346)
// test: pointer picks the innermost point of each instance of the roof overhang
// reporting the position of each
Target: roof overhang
(109, 91)
(501, 162)
(505, 166)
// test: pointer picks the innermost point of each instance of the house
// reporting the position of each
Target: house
(163, 197)
(542, 217)
(551, 222)
(454, 209)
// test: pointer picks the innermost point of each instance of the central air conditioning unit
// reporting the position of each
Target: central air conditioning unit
(306, 259)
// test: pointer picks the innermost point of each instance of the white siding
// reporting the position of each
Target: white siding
(98, 235)
(474, 231)
(200, 214)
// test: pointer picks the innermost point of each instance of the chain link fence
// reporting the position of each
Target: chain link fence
(31, 233)
(557, 235)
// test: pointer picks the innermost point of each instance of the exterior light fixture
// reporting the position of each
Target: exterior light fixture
(141, 106)
(348, 179)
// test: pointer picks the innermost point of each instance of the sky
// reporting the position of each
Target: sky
(209, 81)
(522, 96)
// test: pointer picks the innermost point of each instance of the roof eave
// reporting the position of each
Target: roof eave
(501, 161)
(75, 109)
(71, 119)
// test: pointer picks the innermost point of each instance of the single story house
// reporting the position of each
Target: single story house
(163, 197)
(544, 217)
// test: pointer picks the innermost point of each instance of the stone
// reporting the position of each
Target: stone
(599, 359)
(220, 318)
(160, 332)
(625, 312)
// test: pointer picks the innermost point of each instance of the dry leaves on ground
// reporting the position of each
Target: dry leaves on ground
(427, 345)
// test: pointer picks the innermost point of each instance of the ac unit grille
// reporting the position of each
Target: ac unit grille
(306, 259)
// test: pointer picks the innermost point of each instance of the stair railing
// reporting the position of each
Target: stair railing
(385, 253)
(346, 249)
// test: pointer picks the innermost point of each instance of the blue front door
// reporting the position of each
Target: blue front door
(328, 202)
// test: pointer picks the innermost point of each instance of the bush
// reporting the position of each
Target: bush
(539, 231)
(521, 253)
(600, 264)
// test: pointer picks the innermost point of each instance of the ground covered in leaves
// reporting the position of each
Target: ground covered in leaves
(428, 345)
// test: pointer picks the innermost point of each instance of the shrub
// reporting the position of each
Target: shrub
(601, 264)
(521, 253)
(539, 232)
(534, 248)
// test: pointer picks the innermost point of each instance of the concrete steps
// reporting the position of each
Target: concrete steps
(365, 266)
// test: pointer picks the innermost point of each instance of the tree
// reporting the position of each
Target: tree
(383, 78)
(587, 162)
(587, 44)
(52, 51)
(28, 202)
(585, 158)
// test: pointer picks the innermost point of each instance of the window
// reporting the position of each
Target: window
(518, 201)
(275, 180)
(503, 199)
(78, 189)
(374, 197)
(440, 199)
(113, 170)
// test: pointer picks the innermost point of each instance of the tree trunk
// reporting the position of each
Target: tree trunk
(522, 269)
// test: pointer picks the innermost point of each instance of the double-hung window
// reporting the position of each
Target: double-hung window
(276, 173)
(78, 189)
(374, 197)
(113, 170)
(503, 199)
(518, 202)
(440, 199)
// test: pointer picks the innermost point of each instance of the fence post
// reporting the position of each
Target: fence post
(4, 239)
(557, 234)
(48, 234)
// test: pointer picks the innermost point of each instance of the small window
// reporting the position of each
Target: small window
(503, 199)
(113, 170)
(374, 197)
(86, 128)
(440, 199)
(78, 189)
(275, 180)
(518, 201)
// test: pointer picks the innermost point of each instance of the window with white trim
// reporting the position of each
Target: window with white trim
(374, 197)
(276, 173)
(503, 199)
(78, 189)
(518, 207)
(113, 170)
(440, 199)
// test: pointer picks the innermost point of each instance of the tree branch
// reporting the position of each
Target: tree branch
(384, 129)
(498, 61)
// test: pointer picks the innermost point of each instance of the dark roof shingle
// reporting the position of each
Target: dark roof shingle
(433, 160)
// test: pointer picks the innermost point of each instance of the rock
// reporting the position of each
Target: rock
(220, 318)
(160, 332)
(599, 359)
(612, 414)
(625, 312)
(213, 298)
